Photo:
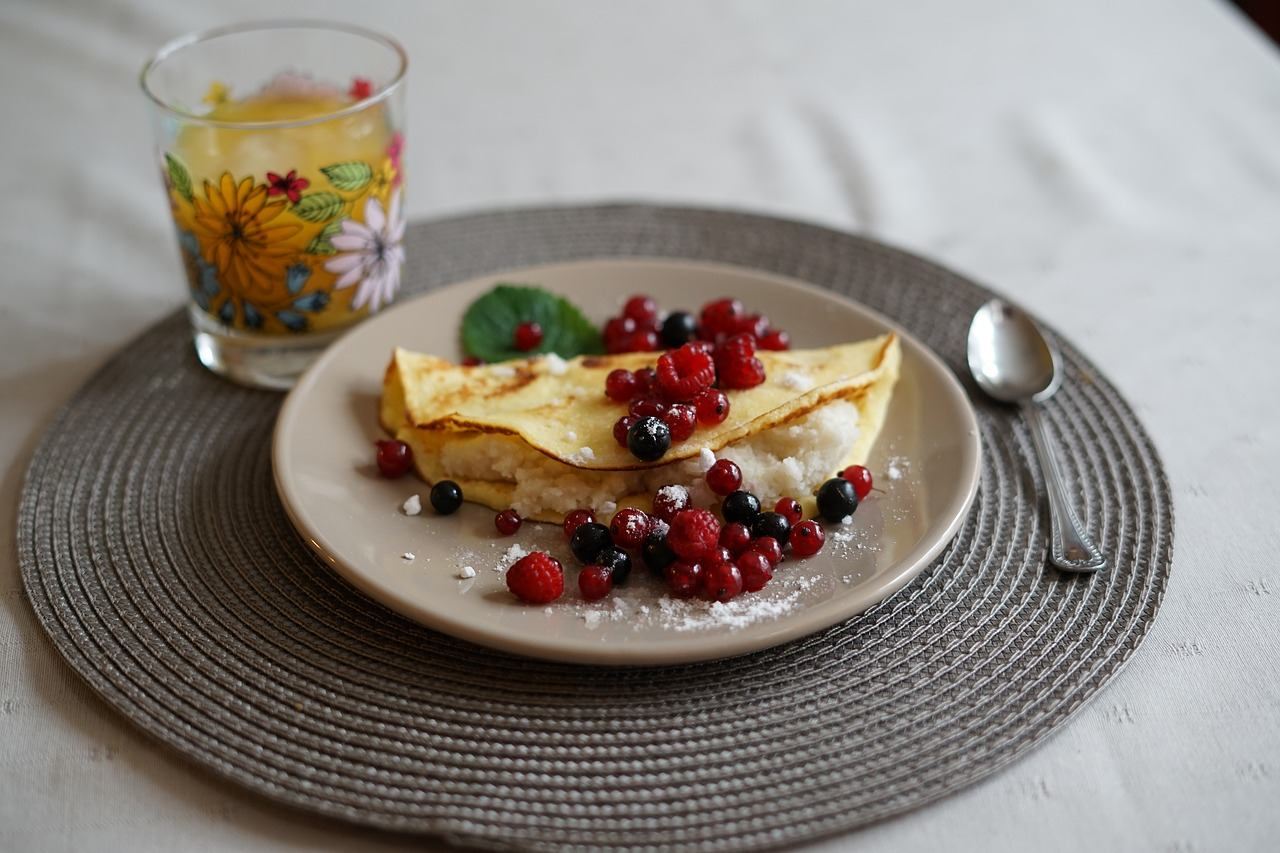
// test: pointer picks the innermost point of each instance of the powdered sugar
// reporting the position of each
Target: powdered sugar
(412, 505)
(466, 572)
(676, 494)
(407, 556)
(695, 615)
(796, 381)
(556, 365)
(706, 458)
(503, 371)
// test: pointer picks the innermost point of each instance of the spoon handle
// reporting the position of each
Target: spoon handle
(1070, 548)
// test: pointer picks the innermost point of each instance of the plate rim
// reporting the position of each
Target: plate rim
(717, 647)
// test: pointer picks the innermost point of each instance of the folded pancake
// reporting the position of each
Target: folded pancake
(537, 434)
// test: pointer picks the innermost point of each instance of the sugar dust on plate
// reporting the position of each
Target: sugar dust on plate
(412, 505)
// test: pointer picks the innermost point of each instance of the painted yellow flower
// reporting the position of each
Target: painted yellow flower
(384, 178)
(233, 223)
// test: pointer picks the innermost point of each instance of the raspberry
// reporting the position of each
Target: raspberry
(394, 458)
(775, 339)
(769, 548)
(860, 477)
(576, 519)
(741, 374)
(694, 534)
(595, 582)
(736, 348)
(712, 407)
(724, 477)
(622, 427)
(807, 538)
(668, 501)
(642, 309)
(537, 578)
(508, 522)
(528, 336)
(647, 407)
(620, 385)
(722, 581)
(683, 578)
(736, 537)
(629, 527)
(681, 419)
(684, 373)
(717, 317)
(790, 509)
(756, 571)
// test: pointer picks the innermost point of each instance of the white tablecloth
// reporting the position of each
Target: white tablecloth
(1113, 164)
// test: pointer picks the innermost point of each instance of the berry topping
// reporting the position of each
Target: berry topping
(807, 538)
(643, 340)
(622, 427)
(621, 385)
(790, 509)
(646, 380)
(836, 499)
(755, 325)
(769, 547)
(681, 419)
(721, 581)
(717, 318)
(595, 582)
(694, 534)
(588, 541)
(684, 373)
(771, 524)
(616, 331)
(736, 348)
(446, 497)
(712, 407)
(742, 507)
(656, 553)
(683, 578)
(629, 527)
(394, 458)
(643, 310)
(736, 537)
(678, 329)
(472, 361)
(528, 336)
(756, 571)
(739, 375)
(775, 339)
(536, 579)
(860, 477)
(648, 439)
(617, 561)
(575, 519)
(508, 522)
(668, 501)
(724, 477)
(647, 407)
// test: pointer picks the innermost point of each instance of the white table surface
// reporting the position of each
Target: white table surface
(1113, 164)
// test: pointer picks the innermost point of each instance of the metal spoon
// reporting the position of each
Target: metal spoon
(1013, 362)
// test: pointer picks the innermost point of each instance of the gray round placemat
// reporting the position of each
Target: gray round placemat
(158, 559)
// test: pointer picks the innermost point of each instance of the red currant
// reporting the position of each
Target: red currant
(647, 407)
(722, 581)
(681, 419)
(683, 578)
(668, 501)
(756, 570)
(717, 317)
(618, 329)
(508, 522)
(646, 380)
(694, 534)
(860, 478)
(724, 477)
(629, 527)
(790, 509)
(472, 361)
(769, 547)
(622, 427)
(642, 309)
(644, 340)
(807, 538)
(736, 537)
(394, 458)
(528, 336)
(575, 519)
(595, 582)
(620, 385)
(775, 339)
(712, 407)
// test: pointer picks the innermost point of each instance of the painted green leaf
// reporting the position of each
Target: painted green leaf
(179, 177)
(489, 325)
(318, 207)
(320, 244)
(352, 175)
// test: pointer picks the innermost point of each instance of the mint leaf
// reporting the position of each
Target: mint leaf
(489, 325)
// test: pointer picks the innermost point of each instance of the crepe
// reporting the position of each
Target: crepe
(539, 432)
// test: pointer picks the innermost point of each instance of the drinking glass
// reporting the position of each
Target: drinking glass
(280, 146)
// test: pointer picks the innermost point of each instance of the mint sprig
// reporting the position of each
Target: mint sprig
(489, 325)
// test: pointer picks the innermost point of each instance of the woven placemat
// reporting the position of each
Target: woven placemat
(159, 560)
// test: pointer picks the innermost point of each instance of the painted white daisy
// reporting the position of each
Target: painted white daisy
(370, 254)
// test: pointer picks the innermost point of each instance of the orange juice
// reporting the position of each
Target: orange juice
(288, 208)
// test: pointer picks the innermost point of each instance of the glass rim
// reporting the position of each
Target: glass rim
(173, 46)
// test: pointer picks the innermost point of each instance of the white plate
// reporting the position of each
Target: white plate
(926, 461)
